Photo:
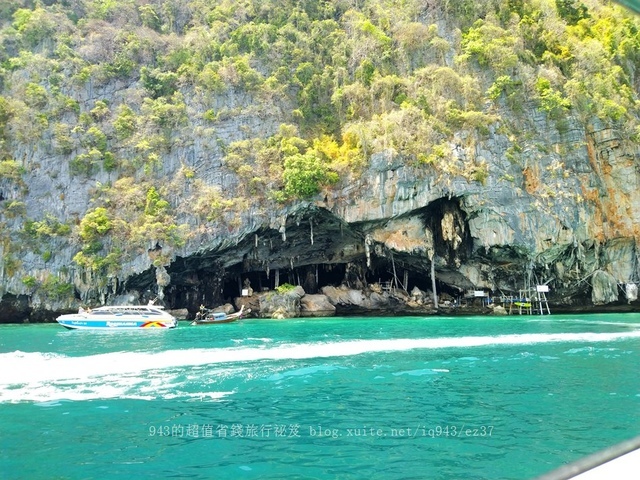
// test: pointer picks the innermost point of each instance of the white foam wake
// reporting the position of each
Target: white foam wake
(126, 371)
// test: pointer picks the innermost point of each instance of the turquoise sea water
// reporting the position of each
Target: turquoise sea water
(394, 398)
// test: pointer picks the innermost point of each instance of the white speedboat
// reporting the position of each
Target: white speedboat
(119, 317)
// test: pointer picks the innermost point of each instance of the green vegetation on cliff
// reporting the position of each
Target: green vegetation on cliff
(114, 88)
(401, 75)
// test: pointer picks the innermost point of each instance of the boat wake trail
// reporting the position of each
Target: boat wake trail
(44, 377)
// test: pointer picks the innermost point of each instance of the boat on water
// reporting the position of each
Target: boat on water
(204, 317)
(119, 317)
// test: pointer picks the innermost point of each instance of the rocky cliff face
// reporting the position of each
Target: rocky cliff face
(527, 199)
(564, 214)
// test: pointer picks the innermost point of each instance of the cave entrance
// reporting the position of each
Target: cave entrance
(310, 277)
(408, 275)
(355, 275)
(214, 278)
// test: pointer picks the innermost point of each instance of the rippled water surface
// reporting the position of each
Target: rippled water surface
(395, 398)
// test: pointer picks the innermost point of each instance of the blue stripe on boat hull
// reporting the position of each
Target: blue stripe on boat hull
(113, 324)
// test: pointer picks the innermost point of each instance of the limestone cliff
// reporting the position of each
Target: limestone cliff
(524, 196)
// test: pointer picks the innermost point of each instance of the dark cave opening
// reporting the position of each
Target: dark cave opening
(449, 225)
(310, 277)
(383, 273)
(313, 278)
(317, 249)
(216, 286)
